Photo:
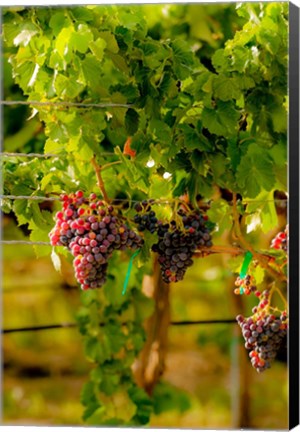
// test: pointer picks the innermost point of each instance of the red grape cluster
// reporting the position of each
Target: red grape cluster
(176, 246)
(91, 230)
(281, 240)
(263, 333)
(246, 286)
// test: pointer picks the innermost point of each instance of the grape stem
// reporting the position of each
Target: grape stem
(219, 249)
(100, 182)
(262, 259)
(108, 165)
(277, 290)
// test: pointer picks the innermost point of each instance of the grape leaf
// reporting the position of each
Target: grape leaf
(222, 120)
(255, 172)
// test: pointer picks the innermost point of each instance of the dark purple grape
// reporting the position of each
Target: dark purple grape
(264, 336)
(175, 246)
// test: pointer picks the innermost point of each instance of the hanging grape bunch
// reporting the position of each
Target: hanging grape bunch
(281, 240)
(246, 286)
(263, 333)
(177, 240)
(147, 220)
(92, 231)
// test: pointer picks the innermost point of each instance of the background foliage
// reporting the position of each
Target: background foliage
(206, 95)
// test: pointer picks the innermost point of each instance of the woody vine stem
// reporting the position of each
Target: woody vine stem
(100, 181)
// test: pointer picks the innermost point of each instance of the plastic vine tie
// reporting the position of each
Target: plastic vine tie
(245, 265)
(129, 271)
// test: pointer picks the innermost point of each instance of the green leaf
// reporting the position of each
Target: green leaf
(200, 83)
(220, 213)
(259, 274)
(160, 187)
(131, 121)
(136, 174)
(97, 47)
(56, 260)
(233, 153)
(87, 395)
(82, 13)
(25, 34)
(66, 87)
(264, 209)
(37, 216)
(279, 118)
(219, 60)
(25, 73)
(90, 410)
(37, 234)
(109, 384)
(115, 336)
(255, 172)
(219, 165)
(57, 22)
(111, 42)
(143, 403)
(279, 156)
(167, 397)
(91, 68)
(199, 162)
(226, 88)
(183, 58)
(81, 39)
(193, 139)
(62, 43)
(161, 131)
(96, 351)
(21, 210)
(222, 120)
(52, 146)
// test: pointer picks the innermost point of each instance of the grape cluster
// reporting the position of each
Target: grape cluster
(263, 333)
(91, 230)
(281, 240)
(176, 246)
(246, 286)
(145, 217)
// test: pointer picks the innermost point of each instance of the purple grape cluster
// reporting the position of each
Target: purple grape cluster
(176, 246)
(145, 218)
(264, 334)
(92, 231)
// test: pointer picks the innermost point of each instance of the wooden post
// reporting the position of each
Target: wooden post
(150, 364)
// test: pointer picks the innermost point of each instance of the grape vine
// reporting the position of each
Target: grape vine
(184, 157)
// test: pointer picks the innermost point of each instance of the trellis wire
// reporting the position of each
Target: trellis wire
(67, 104)
(40, 198)
(32, 243)
(45, 155)
(73, 325)
(37, 155)
(29, 198)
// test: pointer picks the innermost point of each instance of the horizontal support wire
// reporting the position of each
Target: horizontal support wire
(24, 242)
(74, 325)
(37, 155)
(29, 198)
(46, 155)
(41, 198)
(66, 104)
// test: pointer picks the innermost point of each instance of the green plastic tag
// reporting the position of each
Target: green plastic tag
(245, 265)
(129, 271)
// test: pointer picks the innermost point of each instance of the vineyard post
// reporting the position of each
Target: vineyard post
(150, 364)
